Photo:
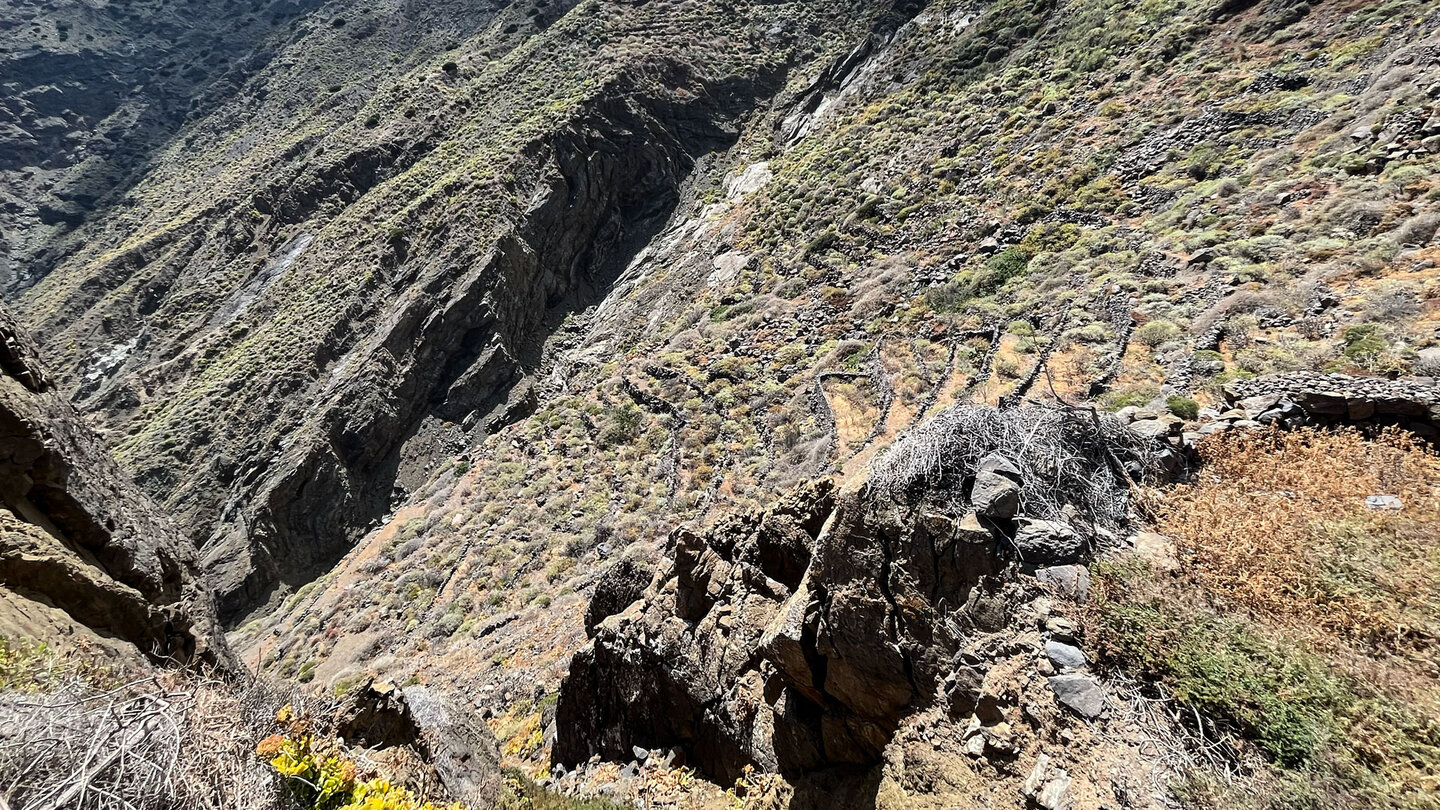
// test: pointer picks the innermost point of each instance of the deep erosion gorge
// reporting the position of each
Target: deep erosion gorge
(802, 638)
(457, 345)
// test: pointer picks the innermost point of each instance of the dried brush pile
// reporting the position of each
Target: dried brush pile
(165, 741)
(1278, 524)
(1067, 457)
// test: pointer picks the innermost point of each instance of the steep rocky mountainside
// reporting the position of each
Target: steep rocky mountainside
(431, 322)
(473, 198)
(92, 90)
(87, 562)
(989, 204)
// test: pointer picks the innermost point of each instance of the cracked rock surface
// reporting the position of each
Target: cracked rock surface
(85, 558)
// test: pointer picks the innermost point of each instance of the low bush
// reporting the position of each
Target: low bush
(1364, 343)
(1281, 527)
(1279, 695)
(1183, 407)
(1130, 395)
(1156, 333)
(1298, 617)
(319, 777)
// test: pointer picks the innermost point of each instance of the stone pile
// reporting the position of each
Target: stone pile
(1298, 399)
(1307, 398)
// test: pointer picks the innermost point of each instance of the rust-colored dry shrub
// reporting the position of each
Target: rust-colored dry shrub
(1276, 522)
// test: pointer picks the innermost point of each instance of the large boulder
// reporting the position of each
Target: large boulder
(1081, 694)
(424, 737)
(994, 496)
(1049, 542)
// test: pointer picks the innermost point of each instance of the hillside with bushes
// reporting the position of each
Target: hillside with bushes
(866, 402)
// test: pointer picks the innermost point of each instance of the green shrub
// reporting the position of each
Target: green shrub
(1022, 328)
(1008, 264)
(1280, 696)
(21, 663)
(1156, 333)
(346, 685)
(620, 425)
(1364, 343)
(1136, 395)
(1183, 407)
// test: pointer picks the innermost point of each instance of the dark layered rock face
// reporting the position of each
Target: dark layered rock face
(800, 639)
(791, 641)
(455, 350)
(84, 554)
(369, 282)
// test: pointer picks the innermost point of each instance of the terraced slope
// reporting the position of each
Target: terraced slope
(524, 290)
(317, 295)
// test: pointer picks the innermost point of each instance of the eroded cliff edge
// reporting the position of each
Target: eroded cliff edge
(86, 560)
(804, 638)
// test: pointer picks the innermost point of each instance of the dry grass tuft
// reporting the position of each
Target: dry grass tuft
(161, 743)
(1277, 524)
(72, 736)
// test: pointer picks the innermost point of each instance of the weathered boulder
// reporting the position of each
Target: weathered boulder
(1079, 693)
(999, 464)
(1049, 542)
(1152, 429)
(1065, 656)
(995, 496)
(435, 742)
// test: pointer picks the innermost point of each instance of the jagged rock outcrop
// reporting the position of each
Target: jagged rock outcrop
(621, 584)
(425, 738)
(801, 638)
(85, 557)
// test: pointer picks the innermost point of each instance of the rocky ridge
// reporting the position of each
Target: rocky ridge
(439, 340)
(747, 347)
(87, 562)
(802, 639)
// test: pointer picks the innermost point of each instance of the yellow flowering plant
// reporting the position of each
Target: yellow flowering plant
(323, 780)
